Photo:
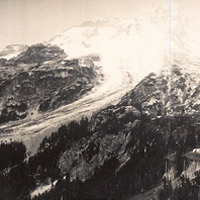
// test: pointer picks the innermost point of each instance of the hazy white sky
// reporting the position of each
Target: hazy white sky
(32, 21)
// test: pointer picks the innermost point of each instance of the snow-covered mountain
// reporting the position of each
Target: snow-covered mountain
(134, 40)
(131, 49)
(128, 50)
(138, 120)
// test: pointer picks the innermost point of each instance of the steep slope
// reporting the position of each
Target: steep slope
(124, 146)
(172, 94)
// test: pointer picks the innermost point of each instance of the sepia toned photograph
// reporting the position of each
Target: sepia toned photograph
(99, 100)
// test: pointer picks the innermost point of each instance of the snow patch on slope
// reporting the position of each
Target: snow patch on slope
(42, 189)
(12, 55)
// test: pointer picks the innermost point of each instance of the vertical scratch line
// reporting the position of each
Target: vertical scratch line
(169, 27)
(170, 54)
(169, 42)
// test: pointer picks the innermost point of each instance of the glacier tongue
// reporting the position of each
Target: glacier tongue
(129, 50)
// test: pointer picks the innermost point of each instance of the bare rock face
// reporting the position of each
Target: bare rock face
(42, 79)
(38, 54)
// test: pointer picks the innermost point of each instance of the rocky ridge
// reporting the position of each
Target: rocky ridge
(42, 79)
